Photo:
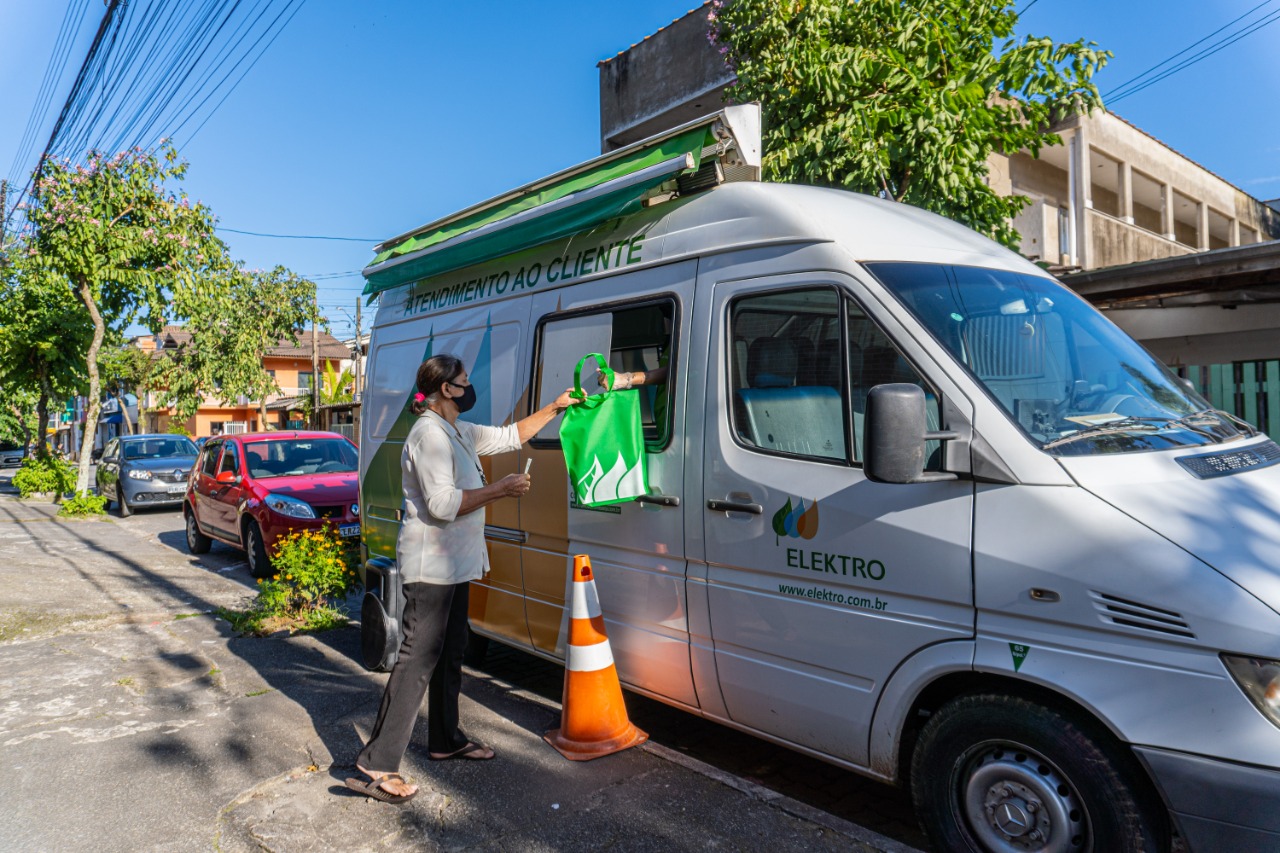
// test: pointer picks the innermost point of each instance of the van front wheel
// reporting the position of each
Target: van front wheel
(998, 774)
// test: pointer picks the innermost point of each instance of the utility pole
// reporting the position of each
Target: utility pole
(315, 363)
(4, 215)
(355, 375)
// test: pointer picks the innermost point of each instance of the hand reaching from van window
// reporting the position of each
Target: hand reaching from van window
(622, 380)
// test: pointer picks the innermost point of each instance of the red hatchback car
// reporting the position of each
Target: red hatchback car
(250, 489)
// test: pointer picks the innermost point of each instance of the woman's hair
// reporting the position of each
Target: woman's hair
(432, 374)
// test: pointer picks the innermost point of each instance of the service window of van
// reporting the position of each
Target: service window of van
(636, 339)
(802, 362)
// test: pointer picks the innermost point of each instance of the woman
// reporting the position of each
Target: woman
(440, 550)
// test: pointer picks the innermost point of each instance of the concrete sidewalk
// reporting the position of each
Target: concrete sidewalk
(132, 719)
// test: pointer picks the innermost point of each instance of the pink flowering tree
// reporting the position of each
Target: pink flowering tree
(905, 99)
(125, 243)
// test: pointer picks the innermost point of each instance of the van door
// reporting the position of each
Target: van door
(819, 582)
(637, 549)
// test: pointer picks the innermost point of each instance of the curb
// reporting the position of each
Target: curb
(758, 792)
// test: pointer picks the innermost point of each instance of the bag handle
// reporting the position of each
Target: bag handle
(577, 374)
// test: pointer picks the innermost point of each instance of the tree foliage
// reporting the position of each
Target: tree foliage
(128, 369)
(234, 319)
(905, 99)
(43, 340)
(124, 242)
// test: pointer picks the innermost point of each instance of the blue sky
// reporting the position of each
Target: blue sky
(369, 119)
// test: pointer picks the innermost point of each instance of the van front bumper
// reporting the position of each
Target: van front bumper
(1218, 805)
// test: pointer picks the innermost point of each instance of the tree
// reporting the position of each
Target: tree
(905, 99)
(43, 339)
(124, 242)
(234, 319)
(336, 387)
(124, 369)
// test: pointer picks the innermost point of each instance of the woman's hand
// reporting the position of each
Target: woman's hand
(514, 485)
(566, 400)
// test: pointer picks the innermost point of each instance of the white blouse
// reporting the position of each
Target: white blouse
(439, 461)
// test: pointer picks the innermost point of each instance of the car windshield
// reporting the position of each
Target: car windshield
(1075, 383)
(157, 448)
(291, 457)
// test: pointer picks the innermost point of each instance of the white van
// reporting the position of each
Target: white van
(916, 508)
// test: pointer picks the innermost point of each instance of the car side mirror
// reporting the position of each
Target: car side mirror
(896, 429)
(229, 478)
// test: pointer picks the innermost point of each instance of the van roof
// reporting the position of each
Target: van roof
(729, 217)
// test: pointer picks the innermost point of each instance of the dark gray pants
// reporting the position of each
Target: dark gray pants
(435, 637)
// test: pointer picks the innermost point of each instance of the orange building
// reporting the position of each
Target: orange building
(289, 363)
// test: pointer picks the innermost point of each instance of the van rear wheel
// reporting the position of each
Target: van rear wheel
(999, 774)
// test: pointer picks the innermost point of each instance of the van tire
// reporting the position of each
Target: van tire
(981, 753)
(255, 551)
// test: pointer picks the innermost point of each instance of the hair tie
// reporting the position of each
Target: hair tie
(419, 397)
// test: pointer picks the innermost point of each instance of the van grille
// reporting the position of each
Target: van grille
(1206, 466)
(1144, 617)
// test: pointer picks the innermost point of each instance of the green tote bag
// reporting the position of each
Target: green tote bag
(603, 442)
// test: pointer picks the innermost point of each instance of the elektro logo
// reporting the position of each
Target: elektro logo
(798, 521)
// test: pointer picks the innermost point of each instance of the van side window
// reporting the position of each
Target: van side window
(786, 377)
(874, 360)
(635, 338)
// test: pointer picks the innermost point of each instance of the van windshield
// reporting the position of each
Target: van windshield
(1073, 381)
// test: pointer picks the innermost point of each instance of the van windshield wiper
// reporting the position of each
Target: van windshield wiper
(1120, 425)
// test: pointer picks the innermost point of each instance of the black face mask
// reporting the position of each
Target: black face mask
(468, 399)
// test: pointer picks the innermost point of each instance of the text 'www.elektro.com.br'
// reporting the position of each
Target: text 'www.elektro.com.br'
(819, 594)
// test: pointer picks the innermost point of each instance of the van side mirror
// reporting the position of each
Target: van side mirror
(896, 429)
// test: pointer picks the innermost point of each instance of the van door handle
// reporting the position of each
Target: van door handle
(733, 506)
(659, 500)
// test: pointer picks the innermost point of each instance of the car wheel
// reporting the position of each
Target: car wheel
(255, 550)
(197, 542)
(998, 774)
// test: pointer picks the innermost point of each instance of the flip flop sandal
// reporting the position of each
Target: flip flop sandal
(468, 752)
(373, 788)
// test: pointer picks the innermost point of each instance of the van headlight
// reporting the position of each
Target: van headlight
(1259, 678)
(291, 507)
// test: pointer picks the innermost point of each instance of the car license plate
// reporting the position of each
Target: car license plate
(349, 530)
(177, 488)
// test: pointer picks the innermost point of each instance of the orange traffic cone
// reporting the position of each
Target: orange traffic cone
(593, 719)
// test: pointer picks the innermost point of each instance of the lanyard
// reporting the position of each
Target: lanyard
(455, 435)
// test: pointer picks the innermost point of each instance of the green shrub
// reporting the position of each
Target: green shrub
(83, 504)
(44, 474)
(178, 428)
(315, 571)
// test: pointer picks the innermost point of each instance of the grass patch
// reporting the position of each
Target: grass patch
(29, 624)
(125, 682)
(263, 692)
(187, 616)
(256, 622)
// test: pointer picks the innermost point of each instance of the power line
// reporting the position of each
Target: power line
(300, 236)
(1137, 84)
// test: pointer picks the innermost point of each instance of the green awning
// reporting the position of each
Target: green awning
(539, 213)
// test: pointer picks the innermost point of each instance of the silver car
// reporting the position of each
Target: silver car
(145, 470)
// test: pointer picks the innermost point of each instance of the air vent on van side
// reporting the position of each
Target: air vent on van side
(1206, 466)
(1143, 617)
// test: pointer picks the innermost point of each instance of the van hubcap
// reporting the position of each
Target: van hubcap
(1015, 800)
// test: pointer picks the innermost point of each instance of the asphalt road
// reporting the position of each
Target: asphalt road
(845, 795)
